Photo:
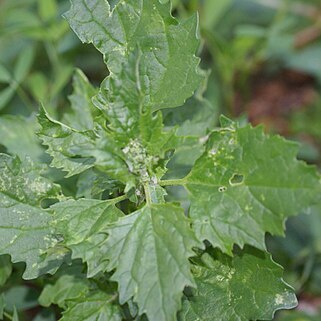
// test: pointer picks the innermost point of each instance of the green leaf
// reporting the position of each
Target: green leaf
(24, 225)
(15, 316)
(97, 305)
(6, 95)
(38, 85)
(246, 287)
(66, 145)
(2, 305)
(213, 11)
(83, 224)
(92, 183)
(24, 145)
(47, 9)
(5, 269)
(149, 250)
(21, 297)
(83, 110)
(67, 287)
(23, 64)
(145, 143)
(246, 184)
(5, 76)
(167, 46)
(81, 298)
(76, 151)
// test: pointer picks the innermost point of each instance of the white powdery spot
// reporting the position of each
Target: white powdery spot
(279, 299)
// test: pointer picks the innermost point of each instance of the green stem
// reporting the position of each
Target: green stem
(118, 199)
(147, 194)
(173, 182)
(7, 315)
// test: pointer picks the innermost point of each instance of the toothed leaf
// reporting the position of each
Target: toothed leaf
(246, 184)
(149, 250)
(246, 287)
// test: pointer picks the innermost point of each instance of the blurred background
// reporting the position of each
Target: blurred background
(263, 59)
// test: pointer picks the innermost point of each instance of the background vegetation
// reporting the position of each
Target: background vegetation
(265, 62)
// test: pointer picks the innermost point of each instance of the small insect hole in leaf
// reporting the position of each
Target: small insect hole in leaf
(236, 179)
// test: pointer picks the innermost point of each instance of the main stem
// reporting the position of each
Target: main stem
(148, 195)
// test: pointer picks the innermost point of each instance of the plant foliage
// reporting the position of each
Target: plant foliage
(145, 256)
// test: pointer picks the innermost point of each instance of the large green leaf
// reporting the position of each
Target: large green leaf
(246, 184)
(25, 233)
(83, 224)
(167, 46)
(150, 250)
(246, 287)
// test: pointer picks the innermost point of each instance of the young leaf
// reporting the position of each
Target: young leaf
(246, 184)
(149, 250)
(83, 111)
(168, 47)
(76, 151)
(246, 287)
(24, 225)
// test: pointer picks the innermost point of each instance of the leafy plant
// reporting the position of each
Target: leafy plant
(145, 257)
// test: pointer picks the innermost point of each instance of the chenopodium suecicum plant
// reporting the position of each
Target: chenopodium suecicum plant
(145, 257)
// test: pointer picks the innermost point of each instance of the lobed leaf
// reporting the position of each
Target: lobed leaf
(67, 287)
(94, 306)
(84, 225)
(25, 233)
(81, 299)
(149, 250)
(76, 151)
(246, 184)
(168, 47)
(248, 286)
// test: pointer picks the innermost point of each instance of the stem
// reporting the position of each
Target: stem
(147, 194)
(7, 315)
(173, 182)
(118, 199)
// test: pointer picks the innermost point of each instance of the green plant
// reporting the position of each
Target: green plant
(145, 257)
